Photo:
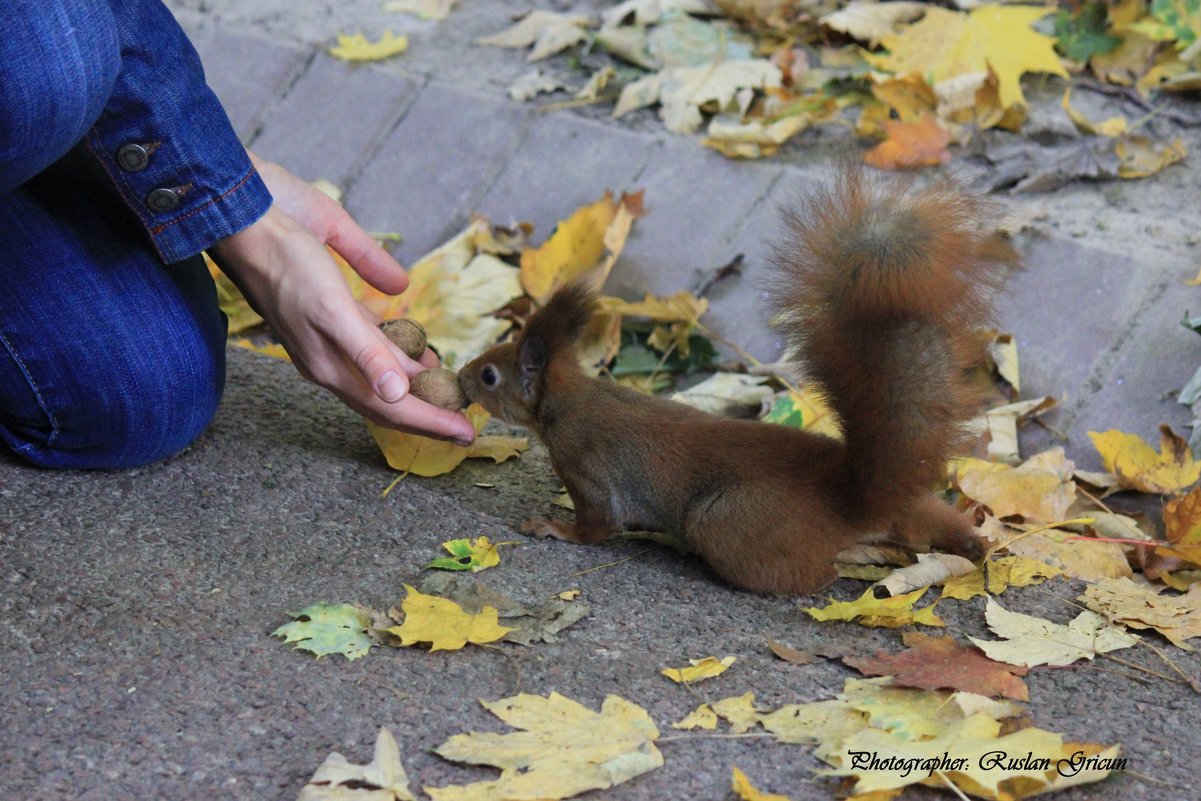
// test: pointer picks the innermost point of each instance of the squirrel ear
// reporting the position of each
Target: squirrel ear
(552, 331)
(531, 357)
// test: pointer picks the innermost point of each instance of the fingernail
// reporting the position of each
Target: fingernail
(463, 441)
(391, 387)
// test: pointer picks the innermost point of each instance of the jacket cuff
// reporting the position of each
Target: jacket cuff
(187, 213)
(166, 143)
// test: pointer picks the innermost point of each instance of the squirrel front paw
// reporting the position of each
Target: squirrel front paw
(967, 544)
(542, 527)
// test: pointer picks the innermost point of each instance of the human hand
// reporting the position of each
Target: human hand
(282, 267)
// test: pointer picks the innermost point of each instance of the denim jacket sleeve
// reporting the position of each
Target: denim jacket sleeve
(166, 142)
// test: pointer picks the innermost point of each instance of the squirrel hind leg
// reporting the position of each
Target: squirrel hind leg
(928, 522)
(783, 572)
(791, 555)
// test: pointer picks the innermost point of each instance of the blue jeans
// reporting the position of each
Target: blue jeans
(109, 357)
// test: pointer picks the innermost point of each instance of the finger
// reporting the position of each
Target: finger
(415, 416)
(366, 256)
(377, 360)
(430, 359)
(411, 366)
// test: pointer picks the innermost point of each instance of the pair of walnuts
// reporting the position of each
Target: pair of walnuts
(437, 386)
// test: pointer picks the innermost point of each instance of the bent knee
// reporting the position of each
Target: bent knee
(133, 416)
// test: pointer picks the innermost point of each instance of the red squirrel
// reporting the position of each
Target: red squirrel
(876, 293)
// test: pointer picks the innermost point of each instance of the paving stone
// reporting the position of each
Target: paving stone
(433, 169)
(1138, 391)
(333, 118)
(247, 73)
(1066, 307)
(563, 163)
(740, 303)
(697, 199)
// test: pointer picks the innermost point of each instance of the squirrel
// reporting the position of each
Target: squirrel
(877, 293)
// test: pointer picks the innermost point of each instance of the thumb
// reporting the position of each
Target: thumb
(375, 359)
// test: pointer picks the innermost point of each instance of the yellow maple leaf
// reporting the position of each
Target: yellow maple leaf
(871, 22)
(908, 95)
(585, 245)
(1082, 558)
(699, 669)
(967, 748)
(356, 47)
(1138, 467)
(562, 749)
(1139, 156)
(680, 307)
(413, 453)
(703, 717)
(1002, 573)
(681, 91)
(746, 791)
(1177, 617)
(868, 610)
(948, 44)
(1182, 527)
(753, 137)
(906, 712)
(444, 624)
(680, 313)
(1039, 489)
(453, 292)
(1031, 641)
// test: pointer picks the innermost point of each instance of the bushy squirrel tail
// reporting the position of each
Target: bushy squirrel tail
(878, 292)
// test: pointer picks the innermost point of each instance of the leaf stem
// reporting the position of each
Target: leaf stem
(1094, 499)
(713, 736)
(610, 564)
(1192, 683)
(1048, 526)
(1143, 543)
(1136, 666)
(951, 785)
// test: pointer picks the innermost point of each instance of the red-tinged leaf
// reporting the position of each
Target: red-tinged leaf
(934, 663)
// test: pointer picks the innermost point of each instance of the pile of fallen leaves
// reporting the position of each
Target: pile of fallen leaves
(917, 76)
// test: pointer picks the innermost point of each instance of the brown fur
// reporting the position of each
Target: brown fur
(877, 292)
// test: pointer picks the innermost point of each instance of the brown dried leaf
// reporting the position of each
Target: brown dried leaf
(934, 663)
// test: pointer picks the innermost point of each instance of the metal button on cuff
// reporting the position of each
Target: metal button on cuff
(133, 157)
(162, 199)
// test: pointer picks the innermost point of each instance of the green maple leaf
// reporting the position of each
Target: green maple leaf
(1085, 33)
(328, 629)
(1172, 20)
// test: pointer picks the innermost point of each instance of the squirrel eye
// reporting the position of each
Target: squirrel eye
(489, 376)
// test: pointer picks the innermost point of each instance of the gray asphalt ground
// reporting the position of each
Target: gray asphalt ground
(135, 607)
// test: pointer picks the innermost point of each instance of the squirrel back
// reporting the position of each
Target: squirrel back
(878, 291)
